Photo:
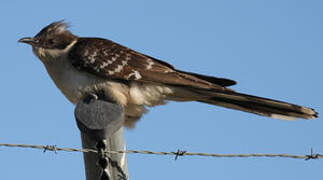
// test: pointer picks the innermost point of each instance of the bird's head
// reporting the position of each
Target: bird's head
(52, 41)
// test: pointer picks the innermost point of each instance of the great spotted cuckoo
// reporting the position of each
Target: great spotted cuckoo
(81, 66)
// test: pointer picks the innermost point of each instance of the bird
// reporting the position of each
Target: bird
(87, 66)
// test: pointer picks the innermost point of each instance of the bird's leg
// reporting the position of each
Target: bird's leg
(95, 96)
(90, 97)
(101, 95)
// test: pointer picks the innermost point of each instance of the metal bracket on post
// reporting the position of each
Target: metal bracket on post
(100, 123)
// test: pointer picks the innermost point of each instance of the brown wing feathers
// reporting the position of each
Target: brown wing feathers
(110, 60)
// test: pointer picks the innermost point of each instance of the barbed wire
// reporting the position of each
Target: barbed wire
(178, 153)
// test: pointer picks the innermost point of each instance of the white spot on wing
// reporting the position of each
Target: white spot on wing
(150, 64)
(137, 75)
(106, 52)
(128, 57)
(118, 69)
(114, 58)
(111, 72)
(92, 57)
(86, 52)
(104, 64)
(134, 73)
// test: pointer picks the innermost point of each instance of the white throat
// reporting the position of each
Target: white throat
(48, 55)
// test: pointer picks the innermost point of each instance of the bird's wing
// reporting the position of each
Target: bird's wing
(110, 60)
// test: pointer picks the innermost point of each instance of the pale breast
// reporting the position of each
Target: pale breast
(75, 85)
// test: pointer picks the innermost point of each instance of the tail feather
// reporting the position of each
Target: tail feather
(211, 90)
(261, 106)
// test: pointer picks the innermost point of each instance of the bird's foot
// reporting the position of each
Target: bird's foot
(90, 97)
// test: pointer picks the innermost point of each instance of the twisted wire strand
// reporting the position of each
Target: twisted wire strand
(176, 154)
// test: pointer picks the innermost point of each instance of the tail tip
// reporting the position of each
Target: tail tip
(313, 114)
(307, 113)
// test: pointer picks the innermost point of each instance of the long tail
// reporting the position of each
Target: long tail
(261, 106)
(212, 90)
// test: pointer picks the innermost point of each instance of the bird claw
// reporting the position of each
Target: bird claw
(90, 97)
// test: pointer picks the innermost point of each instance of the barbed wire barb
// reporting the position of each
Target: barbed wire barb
(176, 154)
(179, 153)
(312, 155)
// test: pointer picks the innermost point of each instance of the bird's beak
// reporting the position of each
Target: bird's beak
(27, 40)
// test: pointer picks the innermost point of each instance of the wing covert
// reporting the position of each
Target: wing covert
(110, 60)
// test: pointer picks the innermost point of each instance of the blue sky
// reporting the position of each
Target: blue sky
(271, 48)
